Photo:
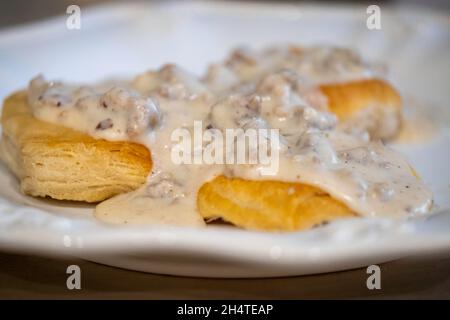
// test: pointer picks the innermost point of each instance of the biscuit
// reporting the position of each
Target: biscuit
(268, 205)
(371, 104)
(65, 164)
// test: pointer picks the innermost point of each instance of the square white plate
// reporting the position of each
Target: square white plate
(121, 40)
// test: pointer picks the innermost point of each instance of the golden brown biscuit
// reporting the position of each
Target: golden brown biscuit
(268, 205)
(65, 164)
(372, 104)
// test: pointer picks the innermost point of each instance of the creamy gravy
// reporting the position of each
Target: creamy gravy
(273, 89)
(313, 65)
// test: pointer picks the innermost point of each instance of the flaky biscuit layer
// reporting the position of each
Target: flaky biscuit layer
(65, 164)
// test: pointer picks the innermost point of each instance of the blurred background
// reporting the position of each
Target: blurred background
(22, 11)
(124, 38)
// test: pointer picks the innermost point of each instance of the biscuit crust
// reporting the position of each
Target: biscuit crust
(268, 205)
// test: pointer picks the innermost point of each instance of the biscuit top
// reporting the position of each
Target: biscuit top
(272, 97)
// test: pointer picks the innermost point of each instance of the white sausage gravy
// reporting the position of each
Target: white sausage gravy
(275, 88)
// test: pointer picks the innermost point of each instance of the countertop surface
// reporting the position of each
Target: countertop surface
(29, 277)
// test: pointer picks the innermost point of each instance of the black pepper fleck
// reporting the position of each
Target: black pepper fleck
(105, 124)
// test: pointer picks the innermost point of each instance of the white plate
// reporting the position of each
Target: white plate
(122, 40)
